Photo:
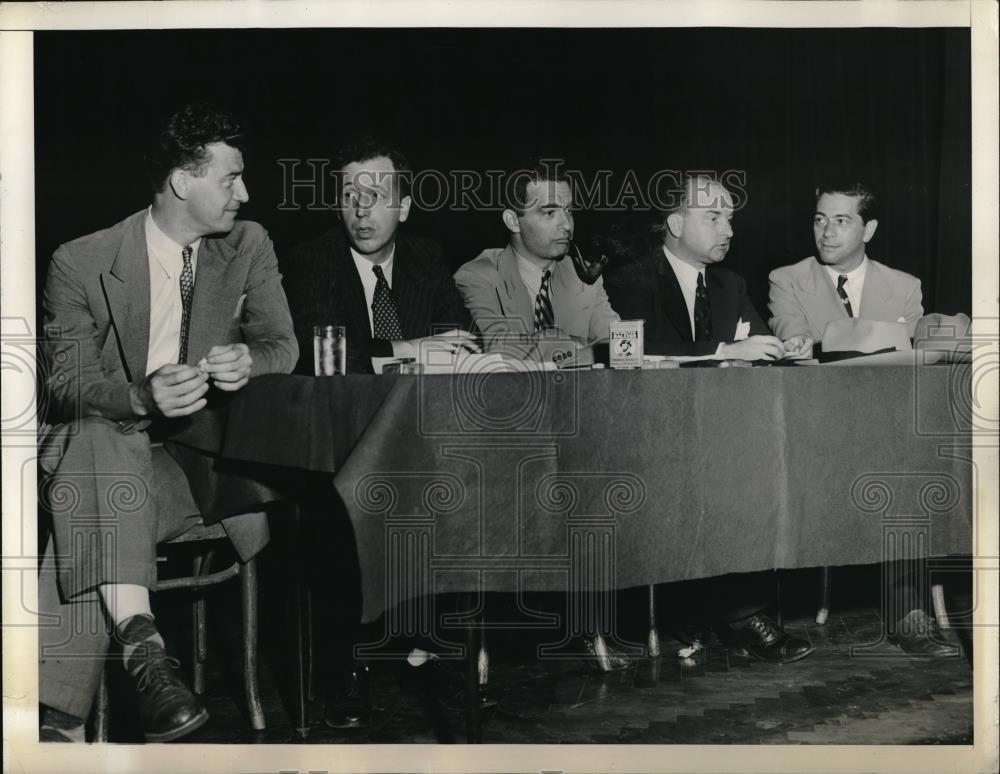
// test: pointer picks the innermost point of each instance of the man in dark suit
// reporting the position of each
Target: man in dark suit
(394, 294)
(145, 321)
(396, 299)
(694, 307)
(691, 305)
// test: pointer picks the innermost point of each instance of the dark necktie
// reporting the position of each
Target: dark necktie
(187, 290)
(544, 318)
(385, 316)
(841, 281)
(702, 312)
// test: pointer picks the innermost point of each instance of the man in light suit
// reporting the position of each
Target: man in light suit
(841, 281)
(694, 307)
(145, 322)
(530, 301)
(527, 292)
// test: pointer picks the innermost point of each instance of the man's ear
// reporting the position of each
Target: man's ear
(511, 222)
(179, 183)
(870, 227)
(675, 225)
(404, 208)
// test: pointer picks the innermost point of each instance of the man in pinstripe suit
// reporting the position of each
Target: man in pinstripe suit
(396, 298)
(393, 293)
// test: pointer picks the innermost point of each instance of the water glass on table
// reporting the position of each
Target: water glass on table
(330, 350)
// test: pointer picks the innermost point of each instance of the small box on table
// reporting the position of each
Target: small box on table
(626, 343)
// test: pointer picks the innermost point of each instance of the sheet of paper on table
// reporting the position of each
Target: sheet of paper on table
(906, 357)
(444, 362)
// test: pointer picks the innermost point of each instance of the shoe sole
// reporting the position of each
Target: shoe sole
(192, 725)
(747, 654)
(346, 725)
(954, 654)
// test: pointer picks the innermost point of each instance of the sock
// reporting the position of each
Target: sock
(133, 632)
(124, 600)
(69, 726)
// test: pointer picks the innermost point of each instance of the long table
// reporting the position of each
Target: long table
(590, 480)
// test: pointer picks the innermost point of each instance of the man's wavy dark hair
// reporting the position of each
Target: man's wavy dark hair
(536, 169)
(366, 147)
(182, 143)
(868, 204)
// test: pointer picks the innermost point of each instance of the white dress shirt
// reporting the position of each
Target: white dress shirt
(854, 285)
(369, 280)
(687, 278)
(165, 307)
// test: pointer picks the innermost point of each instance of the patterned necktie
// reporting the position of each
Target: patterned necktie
(702, 312)
(544, 318)
(187, 290)
(841, 281)
(384, 313)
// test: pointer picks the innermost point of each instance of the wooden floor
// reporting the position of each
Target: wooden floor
(875, 695)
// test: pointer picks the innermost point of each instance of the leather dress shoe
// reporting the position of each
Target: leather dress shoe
(347, 702)
(167, 708)
(918, 635)
(441, 682)
(762, 639)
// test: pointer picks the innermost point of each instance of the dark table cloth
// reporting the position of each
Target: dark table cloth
(605, 479)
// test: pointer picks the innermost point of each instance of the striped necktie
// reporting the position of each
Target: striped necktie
(544, 318)
(187, 291)
(841, 281)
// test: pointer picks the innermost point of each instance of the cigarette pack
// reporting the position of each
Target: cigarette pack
(626, 344)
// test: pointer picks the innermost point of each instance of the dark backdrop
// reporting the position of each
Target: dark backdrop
(788, 107)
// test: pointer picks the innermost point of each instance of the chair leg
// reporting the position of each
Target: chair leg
(199, 628)
(473, 643)
(824, 601)
(303, 673)
(310, 655)
(248, 584)
(653, 640)
(100, 714)
(483, 663)
(779, 613)
(940, 609)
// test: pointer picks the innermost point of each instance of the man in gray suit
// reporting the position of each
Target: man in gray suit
(841, 281)
(537, 291)
(145, 322)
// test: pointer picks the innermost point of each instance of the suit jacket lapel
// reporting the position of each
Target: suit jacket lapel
(725, 306)
(350, 305)
(409, 287)
(566, 286)
(826, 301)
(514, 299)
(214, 301)
(127, 289)
(673, 299)
(875, 293)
